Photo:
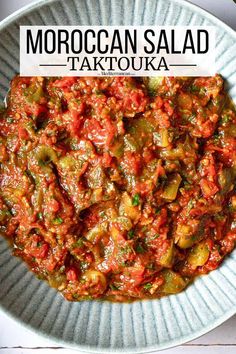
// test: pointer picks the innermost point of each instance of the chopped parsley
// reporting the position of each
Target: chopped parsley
(140, 249)
(78, 243)
(125, 250)
(84, 265)
(203, 91)
(192, 117)
(10, 120)
(147, 286)
(216, 138)
(114, 287)
(225, 118)
(194, 88)
(130, 234)
(135, 200)
(154, 237)
(58, 221)
(40, 216)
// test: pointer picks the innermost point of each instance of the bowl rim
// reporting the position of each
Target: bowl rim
(92, 349)
(38, 3)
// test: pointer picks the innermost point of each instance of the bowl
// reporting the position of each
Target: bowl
(142, 326)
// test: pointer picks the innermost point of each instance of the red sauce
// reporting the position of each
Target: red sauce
(118, 188)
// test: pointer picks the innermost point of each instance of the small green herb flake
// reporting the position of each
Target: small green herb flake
(40, 216)
(216, 138)
(147, 286)
(79, 243)
(225, 118)
(98, 92)
(202, 91)
(84, 265)
(130, 234)
(135, 200)
(139, 248)
(113, 287)
(194, 88)
(219, 217)
(125, 250)
(58, 221)
(192, 117)
(10, 120)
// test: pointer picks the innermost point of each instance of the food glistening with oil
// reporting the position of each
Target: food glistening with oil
(118, 188)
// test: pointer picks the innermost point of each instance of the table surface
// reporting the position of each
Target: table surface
(17, 340)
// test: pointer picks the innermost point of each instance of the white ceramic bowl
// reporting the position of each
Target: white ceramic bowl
(102, 326)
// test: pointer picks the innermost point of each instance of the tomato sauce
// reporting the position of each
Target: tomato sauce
(118, 188)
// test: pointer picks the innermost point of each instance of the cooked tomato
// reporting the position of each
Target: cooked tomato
(118, 188)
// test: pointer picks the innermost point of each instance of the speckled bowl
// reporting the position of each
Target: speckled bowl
(142, 326)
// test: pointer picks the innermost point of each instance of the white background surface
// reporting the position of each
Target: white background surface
(16, 340)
